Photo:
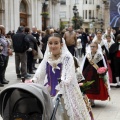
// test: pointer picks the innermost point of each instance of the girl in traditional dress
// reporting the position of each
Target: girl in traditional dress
(92, 61)
(98, 38)
(58, 63)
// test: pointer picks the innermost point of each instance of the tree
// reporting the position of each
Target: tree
(77, 21)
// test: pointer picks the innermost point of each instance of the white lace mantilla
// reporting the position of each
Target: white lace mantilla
(97, 57)
(73, 99)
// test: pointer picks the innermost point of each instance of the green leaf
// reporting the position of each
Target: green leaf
(86, 86)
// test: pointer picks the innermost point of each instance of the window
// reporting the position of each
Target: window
(90, 1)
(63, 14)
(63, 2)
(90, 16)
(93, 13)
(23, 7)
(85, 14)
(77, 1)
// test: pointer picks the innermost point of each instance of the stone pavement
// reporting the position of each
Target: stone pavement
(104, 110)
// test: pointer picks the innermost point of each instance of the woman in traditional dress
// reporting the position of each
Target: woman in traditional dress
(110, 33)
(58, 63)
(115, 59)
(92, 61)
(108, 42)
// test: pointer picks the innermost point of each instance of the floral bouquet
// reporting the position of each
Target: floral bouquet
(102, 72)
(85, 86)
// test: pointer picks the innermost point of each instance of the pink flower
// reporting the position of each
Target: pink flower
(101, 70)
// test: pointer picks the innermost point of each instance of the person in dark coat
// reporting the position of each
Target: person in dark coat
(36, 36)
(84, 40)
(45, 40)
(30, 56)
(20, 46)
(115, 59)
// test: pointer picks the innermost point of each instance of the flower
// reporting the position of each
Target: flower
(102, 70)
(102, 73)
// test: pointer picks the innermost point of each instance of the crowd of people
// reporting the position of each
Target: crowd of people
(58, 53)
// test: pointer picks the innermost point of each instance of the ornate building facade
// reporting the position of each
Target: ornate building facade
(95, 13)
(14, 13)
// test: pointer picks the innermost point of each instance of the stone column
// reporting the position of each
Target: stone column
(39, 17)
(1, 16)
(16, 4)
(51, 8)
(35, 12)
(106, 15)
(56, 15)
(11, 15)
(32, 12)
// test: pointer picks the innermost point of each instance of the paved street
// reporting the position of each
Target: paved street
(104, 110)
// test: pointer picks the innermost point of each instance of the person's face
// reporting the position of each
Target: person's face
(99, 35)
(70, 29)
(109, 31)
(93, 48)
(108, 39)
(34, 29)
(81, 30)
(55, 45)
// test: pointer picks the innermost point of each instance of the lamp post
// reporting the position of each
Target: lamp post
(101, 22)
(75, 11)
(45, 4)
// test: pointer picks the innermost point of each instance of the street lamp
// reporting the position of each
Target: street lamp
(75, 11)
(101, 22)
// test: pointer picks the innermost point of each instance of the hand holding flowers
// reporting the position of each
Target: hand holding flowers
(102, 73)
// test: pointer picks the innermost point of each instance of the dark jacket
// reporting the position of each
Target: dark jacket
(36, 35)
(32, 40)
(113, 50)
(84, 39)
(44, 41)
(20, 43)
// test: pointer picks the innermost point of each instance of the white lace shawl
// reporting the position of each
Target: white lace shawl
(73, 99)
(106, 44)
(95, 40)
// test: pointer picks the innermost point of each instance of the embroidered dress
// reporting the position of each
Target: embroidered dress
(98, 90)
(69, 88)
(53, 78)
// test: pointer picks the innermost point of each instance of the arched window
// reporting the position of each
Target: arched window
(23, 7)
(23, 13)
